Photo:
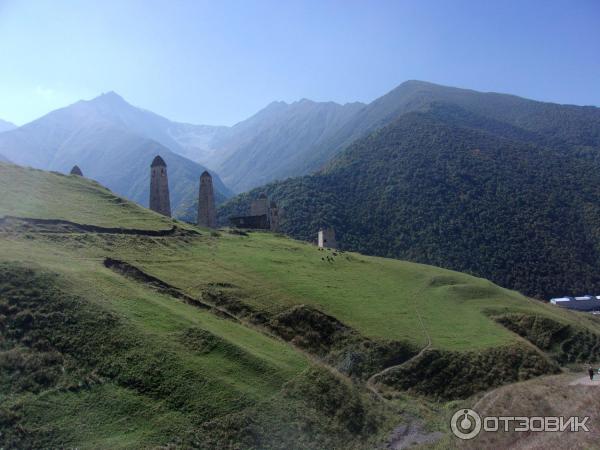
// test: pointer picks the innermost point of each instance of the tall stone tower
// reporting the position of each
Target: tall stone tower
(159, 187)
(76, 171)
(207, 214)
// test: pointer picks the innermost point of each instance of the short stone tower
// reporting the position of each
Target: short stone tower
(76, 171)
(259, 206)
(207, 214)
(327, 238)
(274, 216)
(159, 187)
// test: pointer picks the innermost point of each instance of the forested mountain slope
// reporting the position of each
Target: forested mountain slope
(540, 121)
(458, 189)
(285, 140)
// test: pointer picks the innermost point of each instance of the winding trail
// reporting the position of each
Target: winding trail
(412, 432)
(370, 385)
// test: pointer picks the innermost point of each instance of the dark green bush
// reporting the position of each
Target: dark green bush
(565, 343)
(453, 375)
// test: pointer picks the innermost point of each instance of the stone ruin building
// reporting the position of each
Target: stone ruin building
(326, 238)
(207, 213)
(76, 171)
(258, 207)
(263, 215)
(159, 187)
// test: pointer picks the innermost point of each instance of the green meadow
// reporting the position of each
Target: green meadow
(177, 366)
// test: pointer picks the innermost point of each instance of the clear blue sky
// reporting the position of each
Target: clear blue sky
(218, 62)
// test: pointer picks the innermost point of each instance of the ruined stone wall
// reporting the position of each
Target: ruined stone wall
(259, 206)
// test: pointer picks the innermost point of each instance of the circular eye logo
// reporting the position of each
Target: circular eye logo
(465, 424)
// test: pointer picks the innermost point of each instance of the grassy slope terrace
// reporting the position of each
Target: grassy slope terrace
(50, 195)
(229, 366)
(377, 296)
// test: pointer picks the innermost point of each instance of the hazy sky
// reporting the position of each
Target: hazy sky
(218, 62)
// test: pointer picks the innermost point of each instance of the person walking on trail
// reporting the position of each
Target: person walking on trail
(591, 372)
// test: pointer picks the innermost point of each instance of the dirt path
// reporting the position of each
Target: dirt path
(370, 385)
(585, 381)
(412, 432)
(563, 395)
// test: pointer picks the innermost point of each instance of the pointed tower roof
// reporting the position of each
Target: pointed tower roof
(76, 171)
(205, 174)
(158, 161)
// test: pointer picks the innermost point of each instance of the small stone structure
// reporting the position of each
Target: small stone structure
(207, 213)
(263, 215)
(326, 238)
(159, 187)
(259, 207)
(76, 171)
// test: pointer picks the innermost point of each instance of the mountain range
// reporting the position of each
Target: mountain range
(285, 140)
(280, 141)
(114, 143)
(6, 126)
(491, 184)
(107, 137)
(495, 185)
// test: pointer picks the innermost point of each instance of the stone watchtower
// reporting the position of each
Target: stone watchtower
(76, 171)
(207, 214)
(327, 238)
(159, 187)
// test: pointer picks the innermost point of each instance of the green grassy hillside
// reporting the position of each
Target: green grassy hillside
(453, 189)
(492, 185)
(213, 339)
(45, 195)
